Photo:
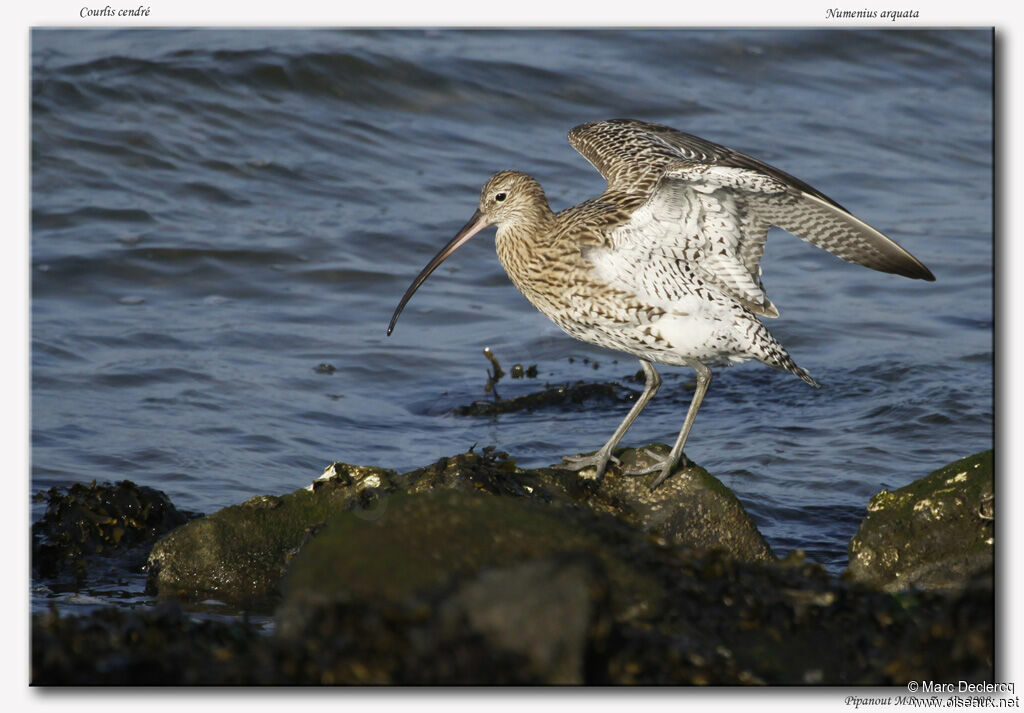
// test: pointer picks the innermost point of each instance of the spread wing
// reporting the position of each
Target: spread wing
(712, 207)
(691, 231)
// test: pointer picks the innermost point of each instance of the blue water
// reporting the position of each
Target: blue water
(217, 212)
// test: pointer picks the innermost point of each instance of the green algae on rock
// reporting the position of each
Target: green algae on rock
(552, 620)
(691, 509)
(935, 533)
(239, 554)
(553, 614)
(428, 539)
(490, 471)
(474, 571)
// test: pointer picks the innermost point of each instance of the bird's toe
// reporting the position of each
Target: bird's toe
(666, 471)
(657, 463)
(664, 466)
(598, 461)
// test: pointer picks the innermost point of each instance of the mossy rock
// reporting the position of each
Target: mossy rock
(423, 541)
(935, 533)
(239, 554)
(473, 571)
(692, 509)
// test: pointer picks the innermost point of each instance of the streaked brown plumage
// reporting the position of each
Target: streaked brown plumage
(665, 263)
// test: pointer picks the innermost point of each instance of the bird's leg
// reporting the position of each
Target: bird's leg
(601, 458)
(667, 464)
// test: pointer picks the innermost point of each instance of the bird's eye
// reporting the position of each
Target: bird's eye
(500, 196)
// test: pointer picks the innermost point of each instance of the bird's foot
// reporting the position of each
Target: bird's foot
(664, 465)
(599, 461)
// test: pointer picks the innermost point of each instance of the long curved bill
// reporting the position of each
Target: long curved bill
(477, 223)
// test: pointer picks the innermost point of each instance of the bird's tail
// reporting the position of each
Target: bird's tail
(789, 365)
(773, 354)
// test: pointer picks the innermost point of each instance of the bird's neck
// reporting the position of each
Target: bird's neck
(529, 226)
(523, 246)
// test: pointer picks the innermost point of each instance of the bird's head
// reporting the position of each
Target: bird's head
(508, 199)
(511, 197)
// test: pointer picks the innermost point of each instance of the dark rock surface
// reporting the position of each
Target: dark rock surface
(239, 554)
(427, 539)
(148, 647)
(527, 578)
(549, 621)
(539, 621)
(568, 395)
(554, 615)
(474, 571)
(595, 395)
(88, 521)
(691, 509)
(935, 533)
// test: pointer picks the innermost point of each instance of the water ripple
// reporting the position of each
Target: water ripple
(217, 212)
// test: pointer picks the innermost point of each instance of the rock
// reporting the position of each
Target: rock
(594, 395)
(540, 622)
(487, 472)
(239, 554)
(553, 614)
(427, 540)
(150, 646)
(524, 585)
(691, 509)
(728, 622)
(474, 571)
(936, 533)
(549, 620)
(105, 520)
